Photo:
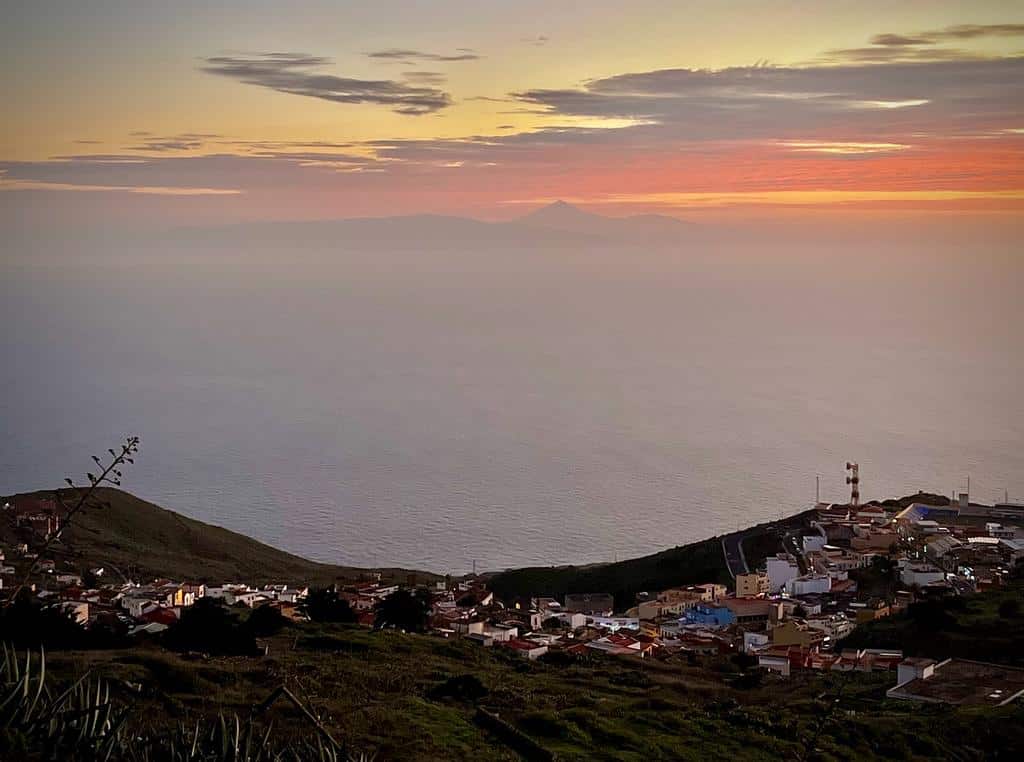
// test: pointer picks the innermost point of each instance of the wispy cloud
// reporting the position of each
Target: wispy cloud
(841, 148)
(927, 132)
(890, 47)
(404, 55)
(786, 198)
(187, 141)
(425, 77)
(301, 74)
(148, 190)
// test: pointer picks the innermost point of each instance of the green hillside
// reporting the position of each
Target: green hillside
(988, 627)
(692, 564)
(688, 564)
(144, 540)
(415, 697)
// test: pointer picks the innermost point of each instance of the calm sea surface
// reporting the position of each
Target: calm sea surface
(431, 408)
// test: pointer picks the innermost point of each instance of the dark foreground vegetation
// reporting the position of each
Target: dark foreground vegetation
(401, 696)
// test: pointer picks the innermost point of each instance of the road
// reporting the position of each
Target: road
(732, 548)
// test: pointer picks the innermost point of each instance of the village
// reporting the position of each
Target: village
(845, 566)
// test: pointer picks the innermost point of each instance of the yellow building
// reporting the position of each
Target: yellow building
(751, 585)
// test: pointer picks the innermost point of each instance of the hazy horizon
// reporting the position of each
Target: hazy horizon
(310, 256)
(433, 404)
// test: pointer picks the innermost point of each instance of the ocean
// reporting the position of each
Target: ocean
(439, 408)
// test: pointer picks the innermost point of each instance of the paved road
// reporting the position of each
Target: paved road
(732, 547)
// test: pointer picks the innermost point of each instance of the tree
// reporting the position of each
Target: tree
(25, 623)
(404, 610)
(552, 623)
(209, 627)
(323, 604)
(265, 621)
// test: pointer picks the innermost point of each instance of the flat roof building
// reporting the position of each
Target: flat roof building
(957, 681)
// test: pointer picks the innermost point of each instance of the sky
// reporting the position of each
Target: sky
(203, 112)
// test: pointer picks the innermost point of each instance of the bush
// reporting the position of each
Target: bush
(404, 610)
(208, 627)
(26, 623)
(559, 658)
(467, 688)
(266, 621)
(323, 604)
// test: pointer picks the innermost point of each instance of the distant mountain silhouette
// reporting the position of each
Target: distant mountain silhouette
(566, 217)
(557, 225)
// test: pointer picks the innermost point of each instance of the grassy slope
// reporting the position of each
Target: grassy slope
(376, 692)
(691, 564)
(688, 564)
(149, 541)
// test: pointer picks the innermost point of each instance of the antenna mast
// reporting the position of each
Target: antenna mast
(854, 481)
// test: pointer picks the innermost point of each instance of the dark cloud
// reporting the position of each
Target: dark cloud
(403, 55)
(970, 31)
(539, 41)
(298, 74)
(673, 113)
(888, 53)
(186, 141)
(899, 40)
(743, 102)
(921, 46)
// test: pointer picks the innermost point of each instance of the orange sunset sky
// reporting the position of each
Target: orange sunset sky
(198, 112)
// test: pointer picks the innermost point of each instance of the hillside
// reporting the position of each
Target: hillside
(691, 564)
(396, 696)
(145, 540)
(988, 627)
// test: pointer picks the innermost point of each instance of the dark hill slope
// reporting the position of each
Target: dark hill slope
(145, 540)
(692, 564)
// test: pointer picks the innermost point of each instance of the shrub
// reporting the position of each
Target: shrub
(265, 621)
(323, 604)
(404, 610)
(467, 688)
(210, 628)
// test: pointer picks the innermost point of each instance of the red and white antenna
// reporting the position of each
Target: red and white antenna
(854, 481)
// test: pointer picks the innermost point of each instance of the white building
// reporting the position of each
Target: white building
(919, 574)
(501, 633)
(813, 542)
(754, 641)
(834, 626)
(781, 569)
(614, 623)
(809, 584)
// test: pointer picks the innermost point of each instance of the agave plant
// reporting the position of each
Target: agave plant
(84, 722)
(79, 723)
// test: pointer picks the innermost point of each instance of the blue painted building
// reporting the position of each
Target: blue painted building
(709, 616)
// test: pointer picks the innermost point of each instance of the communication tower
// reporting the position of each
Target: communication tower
(854, 481)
